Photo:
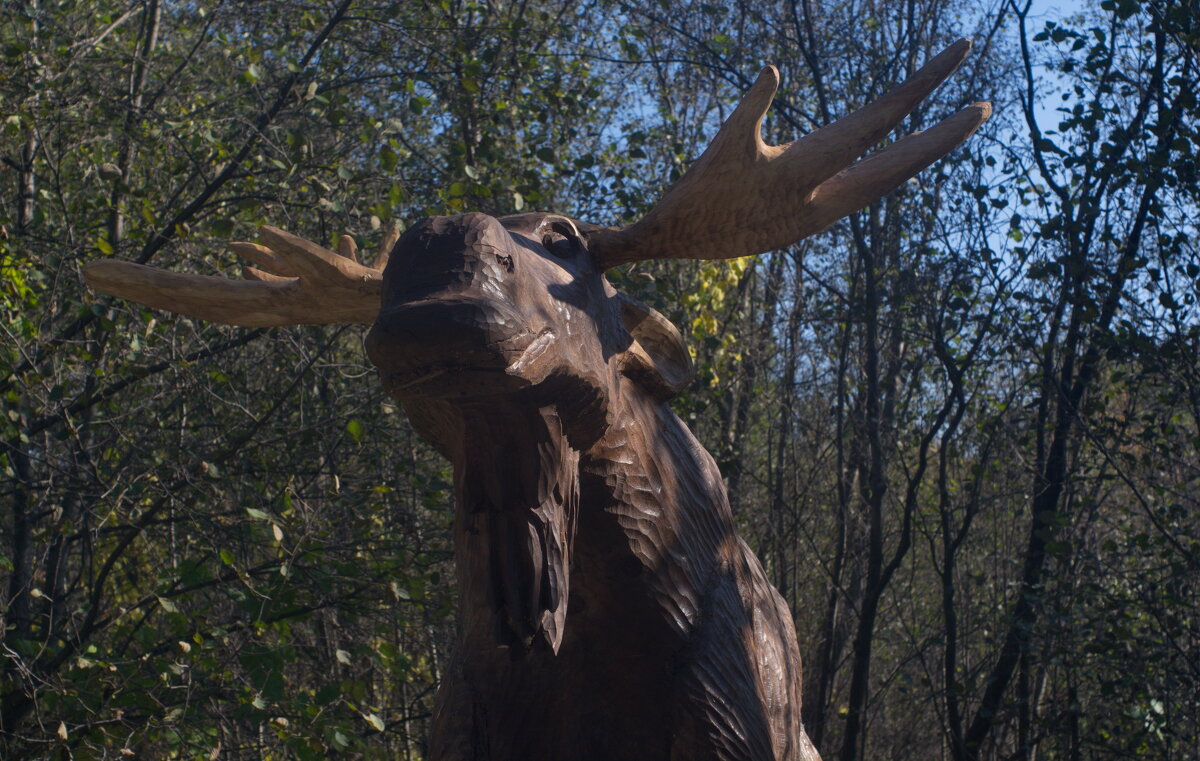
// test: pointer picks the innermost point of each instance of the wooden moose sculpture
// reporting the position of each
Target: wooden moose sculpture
(609, 610)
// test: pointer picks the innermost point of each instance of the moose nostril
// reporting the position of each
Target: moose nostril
(507, 261)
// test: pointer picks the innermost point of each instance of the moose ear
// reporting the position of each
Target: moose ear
(657, 359)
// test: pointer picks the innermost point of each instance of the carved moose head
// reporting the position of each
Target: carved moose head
(516, 358)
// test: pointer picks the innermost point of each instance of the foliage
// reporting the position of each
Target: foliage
(202, 558)
(961, 427)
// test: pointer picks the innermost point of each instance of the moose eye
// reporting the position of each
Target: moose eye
(560, 238)
(560, 245)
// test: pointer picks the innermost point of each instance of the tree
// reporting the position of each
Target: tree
(1106, 179)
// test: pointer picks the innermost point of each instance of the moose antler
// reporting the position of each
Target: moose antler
(743, 196)
(299, 283)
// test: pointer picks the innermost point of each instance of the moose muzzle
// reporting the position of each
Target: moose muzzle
(450, 321)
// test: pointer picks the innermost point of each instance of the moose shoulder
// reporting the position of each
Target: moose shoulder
(609, 609)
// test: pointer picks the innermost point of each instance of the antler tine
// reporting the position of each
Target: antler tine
(882, 173)
(301, 283)
(250, 304)
(348, 247)
(316, 262)
(386, 245)
(829, 149)
(263, 257)
(752, 197)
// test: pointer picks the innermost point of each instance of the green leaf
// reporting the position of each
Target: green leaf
(388, 158)
(104, 246)
(327, 694)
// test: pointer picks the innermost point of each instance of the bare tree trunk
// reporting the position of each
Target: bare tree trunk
(873, 491)
(19, 620)
(742, 392)
(133, 116)
(27, 180)
(781, 502)
(831, 640)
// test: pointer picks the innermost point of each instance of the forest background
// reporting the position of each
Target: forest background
(961, 428)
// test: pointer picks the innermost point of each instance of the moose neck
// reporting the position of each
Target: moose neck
(517, 497)
(523, 467)
(665, 493)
